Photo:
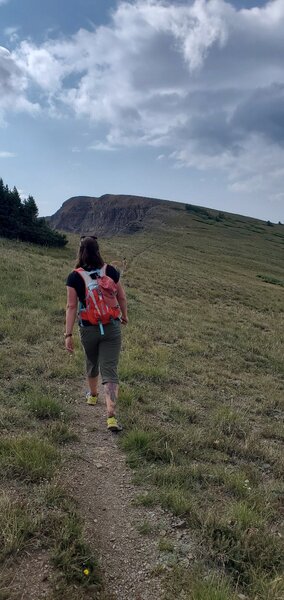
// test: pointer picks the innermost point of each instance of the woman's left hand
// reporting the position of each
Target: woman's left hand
(69, 344)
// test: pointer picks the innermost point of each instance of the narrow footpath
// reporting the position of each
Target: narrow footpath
(132, 563)
(100, 481)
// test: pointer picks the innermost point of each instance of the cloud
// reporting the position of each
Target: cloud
(203, 82)
(12, 33)
(101, 146)
(13, 86)
(10, 30)
(262, 113)
(4, 154)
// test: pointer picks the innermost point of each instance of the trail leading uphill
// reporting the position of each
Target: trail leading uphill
(100, 480)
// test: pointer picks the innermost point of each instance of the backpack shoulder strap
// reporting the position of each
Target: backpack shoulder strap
(103, 270)
(85, 276)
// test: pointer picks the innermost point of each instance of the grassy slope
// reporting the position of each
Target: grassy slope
(36, 395)
(202, 382)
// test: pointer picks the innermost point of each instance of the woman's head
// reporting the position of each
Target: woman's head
(89, 253)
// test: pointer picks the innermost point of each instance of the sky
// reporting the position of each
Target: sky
(180, 100)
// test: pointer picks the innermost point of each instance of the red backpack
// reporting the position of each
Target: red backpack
(101, 301)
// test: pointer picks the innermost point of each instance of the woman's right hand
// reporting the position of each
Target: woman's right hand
(69, 344)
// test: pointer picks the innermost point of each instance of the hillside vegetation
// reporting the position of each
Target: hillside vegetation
(201, 392)
(19, 220)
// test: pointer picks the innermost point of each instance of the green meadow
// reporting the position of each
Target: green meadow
(201, 401)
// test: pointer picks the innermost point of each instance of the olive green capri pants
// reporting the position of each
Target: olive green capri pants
(102, 351)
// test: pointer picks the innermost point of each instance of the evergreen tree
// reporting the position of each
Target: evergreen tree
(20, 220)
(30, 209)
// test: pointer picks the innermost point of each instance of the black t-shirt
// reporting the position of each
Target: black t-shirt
(75, 281)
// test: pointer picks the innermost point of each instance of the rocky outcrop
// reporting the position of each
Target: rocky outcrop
(107, 215)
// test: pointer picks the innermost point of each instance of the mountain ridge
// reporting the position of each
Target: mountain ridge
(110, 214)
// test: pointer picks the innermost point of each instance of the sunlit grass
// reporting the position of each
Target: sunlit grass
(17, 526)
(28, 458)
(197, 586)
(201, 394)
(61, 433)
(70, 552)
(45, 408)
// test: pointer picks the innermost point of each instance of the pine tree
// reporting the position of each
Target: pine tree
(20, 220)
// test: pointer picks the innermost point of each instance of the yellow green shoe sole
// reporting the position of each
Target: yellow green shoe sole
(91, 400)
(113, 425)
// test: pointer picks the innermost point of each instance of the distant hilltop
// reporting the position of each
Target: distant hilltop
(110, 214)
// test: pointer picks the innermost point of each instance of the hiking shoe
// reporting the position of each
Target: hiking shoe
(113, 425)
(91, 400)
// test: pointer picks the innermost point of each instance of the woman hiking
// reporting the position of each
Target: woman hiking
(95, 286)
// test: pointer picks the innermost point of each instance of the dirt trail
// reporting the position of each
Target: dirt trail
(28, 577)
(96, 472)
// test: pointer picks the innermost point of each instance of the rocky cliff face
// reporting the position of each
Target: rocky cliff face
(108, 215)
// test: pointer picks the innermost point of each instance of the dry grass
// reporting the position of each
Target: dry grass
(201, 394)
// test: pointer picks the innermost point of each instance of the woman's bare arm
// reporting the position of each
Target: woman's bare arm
(71, 313)
(121, 298)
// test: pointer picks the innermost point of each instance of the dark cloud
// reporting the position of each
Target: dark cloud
(8, 72)
(263, 113)
(13, 85)
(158, 65)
